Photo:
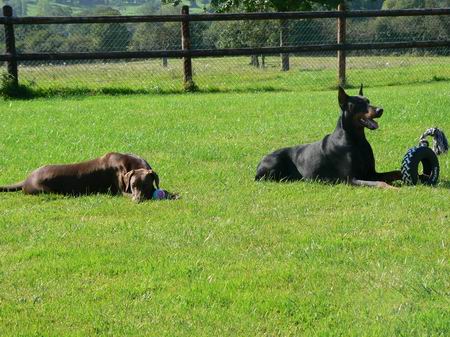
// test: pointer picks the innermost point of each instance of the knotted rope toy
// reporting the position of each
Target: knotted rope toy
(440, 143)
(428, 157)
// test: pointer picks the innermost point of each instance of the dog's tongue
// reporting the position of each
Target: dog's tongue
(370, 123)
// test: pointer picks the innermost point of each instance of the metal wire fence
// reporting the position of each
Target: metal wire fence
(307, 70)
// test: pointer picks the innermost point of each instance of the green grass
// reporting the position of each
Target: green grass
(232, 257)
(230, 74)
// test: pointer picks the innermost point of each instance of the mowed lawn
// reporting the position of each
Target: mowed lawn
(233, 257)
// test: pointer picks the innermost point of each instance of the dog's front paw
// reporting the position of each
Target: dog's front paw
(171, 196)
(383, 184)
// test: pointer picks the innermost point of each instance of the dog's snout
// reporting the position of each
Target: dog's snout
(379, 111)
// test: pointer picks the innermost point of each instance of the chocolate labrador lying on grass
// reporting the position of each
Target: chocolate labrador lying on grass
(113, 173)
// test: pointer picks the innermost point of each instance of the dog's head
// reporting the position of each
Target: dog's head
(141, 183)
(357, 112)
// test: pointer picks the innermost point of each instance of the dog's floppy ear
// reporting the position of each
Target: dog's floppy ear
(126, 179)
(342, 97)
(361, 90)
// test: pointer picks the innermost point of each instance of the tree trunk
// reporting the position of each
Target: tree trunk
(254, 61)
(284, 34)
(164, 62)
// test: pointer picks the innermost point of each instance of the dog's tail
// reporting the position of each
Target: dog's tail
(12, 188)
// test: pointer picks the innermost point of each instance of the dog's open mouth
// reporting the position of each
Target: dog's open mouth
(369, 123)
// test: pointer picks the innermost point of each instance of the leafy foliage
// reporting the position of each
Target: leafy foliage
(276, 5)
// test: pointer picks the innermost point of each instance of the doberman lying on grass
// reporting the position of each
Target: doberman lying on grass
(114, 173)
(343, 156)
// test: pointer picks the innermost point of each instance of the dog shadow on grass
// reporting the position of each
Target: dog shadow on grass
(444, 184)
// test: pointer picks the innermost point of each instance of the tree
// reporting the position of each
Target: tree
(278, 6)
(43, 38)
(165, 35)
(412, 28)
(266, 5)
(106, 37)
(241, 34)
(157, 35)
(399, 4)
(365, 4)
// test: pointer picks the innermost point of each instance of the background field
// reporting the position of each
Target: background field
(231, 74)
(232, 257)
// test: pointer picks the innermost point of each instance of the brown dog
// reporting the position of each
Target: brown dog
(113, 173)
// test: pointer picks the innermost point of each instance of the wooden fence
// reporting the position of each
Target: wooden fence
(11, 57)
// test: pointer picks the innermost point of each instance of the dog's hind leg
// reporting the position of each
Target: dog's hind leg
(277, 167)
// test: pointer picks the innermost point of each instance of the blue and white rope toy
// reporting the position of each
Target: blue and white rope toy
(440, 143)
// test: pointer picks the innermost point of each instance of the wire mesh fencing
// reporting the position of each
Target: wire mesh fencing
(308, 70)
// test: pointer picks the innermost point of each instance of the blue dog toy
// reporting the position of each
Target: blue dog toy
(159, 194)
(428, 157)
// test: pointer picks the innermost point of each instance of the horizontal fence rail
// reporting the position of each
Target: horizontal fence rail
(11, 56)
(220, 52)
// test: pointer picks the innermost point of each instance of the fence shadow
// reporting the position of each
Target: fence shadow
(28, 93)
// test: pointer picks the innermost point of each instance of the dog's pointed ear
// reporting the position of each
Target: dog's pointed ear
(361, 90)
(342, 97)
(126, 179)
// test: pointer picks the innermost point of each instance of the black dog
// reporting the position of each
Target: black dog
(343, 156)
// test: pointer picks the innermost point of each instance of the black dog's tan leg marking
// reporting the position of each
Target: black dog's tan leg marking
(379, 184)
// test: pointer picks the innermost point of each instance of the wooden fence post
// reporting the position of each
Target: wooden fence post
(284, 32)
(341, 34)
(341, 54)
(189, 84)
(10, 44)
